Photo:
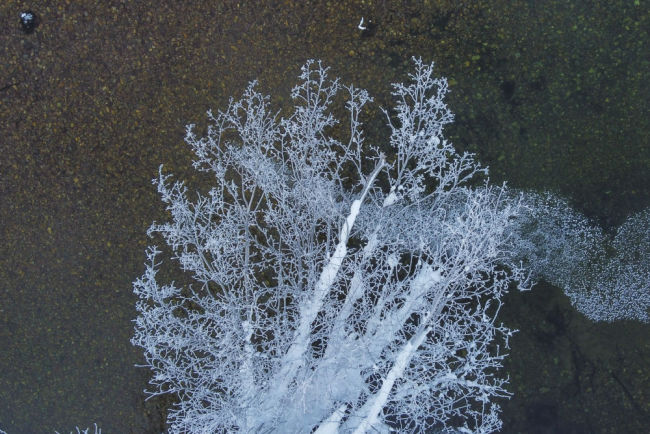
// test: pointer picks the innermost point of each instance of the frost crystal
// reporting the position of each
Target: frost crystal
(606, 278)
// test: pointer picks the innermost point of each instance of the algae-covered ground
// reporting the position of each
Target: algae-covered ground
(550, 95)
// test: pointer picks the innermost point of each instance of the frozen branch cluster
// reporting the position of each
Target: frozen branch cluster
(336, 289)
(606, 277)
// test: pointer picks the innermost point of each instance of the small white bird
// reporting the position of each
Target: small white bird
(361, 26)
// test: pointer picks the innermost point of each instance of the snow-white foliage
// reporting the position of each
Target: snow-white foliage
(607, 278)
(337, 289)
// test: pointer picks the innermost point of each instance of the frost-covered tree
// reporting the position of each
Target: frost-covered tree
(337, 289)
(607, 277)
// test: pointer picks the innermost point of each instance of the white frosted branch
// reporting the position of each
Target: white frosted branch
(294, 356)
(331, 425)
(375, 404)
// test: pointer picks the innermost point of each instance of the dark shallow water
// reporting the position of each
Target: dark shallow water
(91, 102)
